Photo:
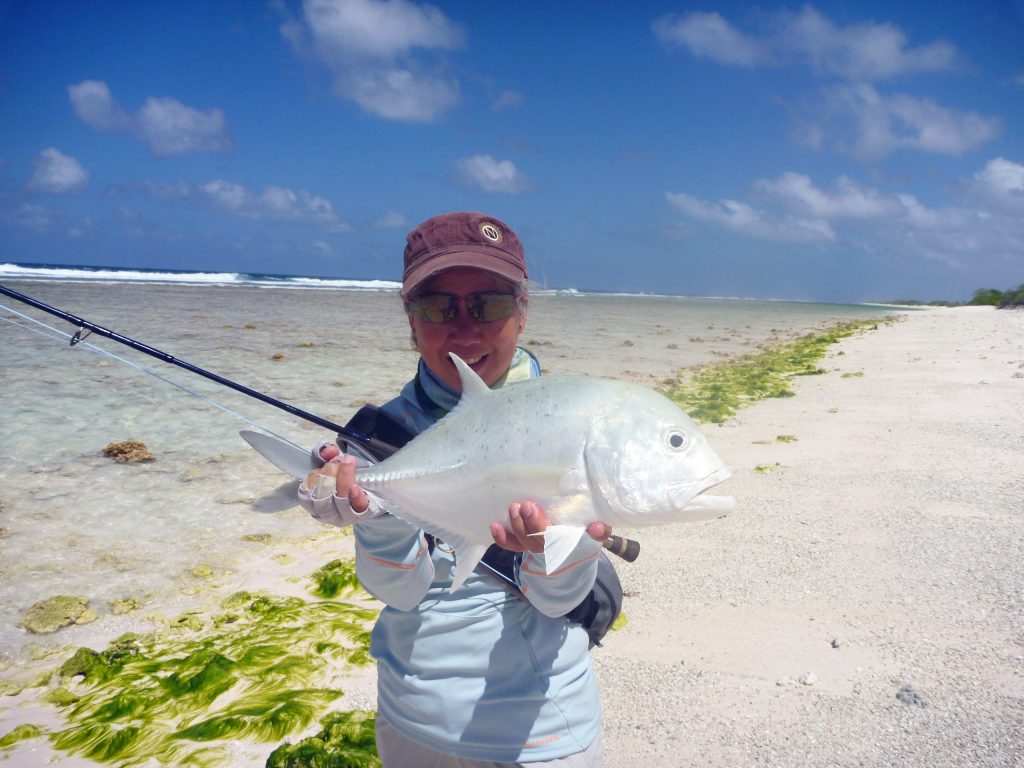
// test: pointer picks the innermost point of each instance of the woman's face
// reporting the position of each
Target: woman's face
(487, 347)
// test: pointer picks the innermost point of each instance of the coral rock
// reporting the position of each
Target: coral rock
(128, 452)
(55, 613)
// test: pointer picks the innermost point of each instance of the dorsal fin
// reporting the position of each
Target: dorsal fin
(472, 385)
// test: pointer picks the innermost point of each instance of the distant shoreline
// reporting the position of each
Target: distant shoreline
(72, 273)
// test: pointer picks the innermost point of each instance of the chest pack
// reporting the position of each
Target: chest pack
(596, 612)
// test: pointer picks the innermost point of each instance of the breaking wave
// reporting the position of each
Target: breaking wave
(166, 276)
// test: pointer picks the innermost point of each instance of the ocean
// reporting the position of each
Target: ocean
(75, 522)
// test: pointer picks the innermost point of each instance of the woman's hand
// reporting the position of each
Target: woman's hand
(527, 517)
(342, 469)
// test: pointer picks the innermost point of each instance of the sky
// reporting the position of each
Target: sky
(833, 151)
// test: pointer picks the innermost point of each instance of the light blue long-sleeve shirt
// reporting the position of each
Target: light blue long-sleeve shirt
(482, 673)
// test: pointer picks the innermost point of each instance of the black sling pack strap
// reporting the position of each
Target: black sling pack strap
(597, 611)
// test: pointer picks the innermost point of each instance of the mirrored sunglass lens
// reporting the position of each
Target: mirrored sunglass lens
(482, 307)
(435, 307)
(488, 307)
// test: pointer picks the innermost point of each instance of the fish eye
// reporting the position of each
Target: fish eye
(676, 440)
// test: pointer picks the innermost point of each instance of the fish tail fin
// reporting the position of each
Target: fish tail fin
(559, 542)
(467, 557)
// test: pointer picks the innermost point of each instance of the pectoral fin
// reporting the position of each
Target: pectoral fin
(572, 510)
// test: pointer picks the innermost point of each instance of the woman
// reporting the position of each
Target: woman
(486, 676)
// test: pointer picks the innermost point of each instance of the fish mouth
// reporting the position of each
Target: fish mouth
(690, 499)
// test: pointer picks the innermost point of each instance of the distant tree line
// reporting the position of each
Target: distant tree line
(988, 297)
(1000, 299)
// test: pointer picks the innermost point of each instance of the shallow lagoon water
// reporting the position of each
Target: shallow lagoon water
(78, 523)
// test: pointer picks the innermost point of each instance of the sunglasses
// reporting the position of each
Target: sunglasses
(484, 307)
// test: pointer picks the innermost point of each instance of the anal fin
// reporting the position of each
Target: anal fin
(467, 558)
(559, 542)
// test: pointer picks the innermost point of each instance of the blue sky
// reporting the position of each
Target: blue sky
(829, 151)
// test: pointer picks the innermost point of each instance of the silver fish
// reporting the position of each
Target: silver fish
(585, 449)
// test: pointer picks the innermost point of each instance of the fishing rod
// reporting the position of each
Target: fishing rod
(627, 549)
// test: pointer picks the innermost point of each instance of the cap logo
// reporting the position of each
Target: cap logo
(491, 231)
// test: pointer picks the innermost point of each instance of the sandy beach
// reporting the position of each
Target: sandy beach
(861, 607)
(881, 553)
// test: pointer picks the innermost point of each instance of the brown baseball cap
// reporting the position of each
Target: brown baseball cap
(462, 239)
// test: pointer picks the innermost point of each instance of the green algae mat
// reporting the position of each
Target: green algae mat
(714, 393)
(252, 672)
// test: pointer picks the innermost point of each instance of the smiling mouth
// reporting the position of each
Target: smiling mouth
(473, 362)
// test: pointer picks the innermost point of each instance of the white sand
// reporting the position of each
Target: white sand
(886, 550)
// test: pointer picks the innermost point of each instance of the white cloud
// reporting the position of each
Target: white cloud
(491, 175)
(852, 117)
(322, 248)
(369, 47)
(400, 94)
(378, 29)
(933, 128)
(229, 196)
(172, 128)
(865, 51)
(750, 221)
(962, 237)
(507, 100)
(1002, 180)
(166, 125)
(276, 203)
(847, 200)
(919, 216)
(273, 203)
(94, 106)
(985, 227)
(391, 220)
(278, 200)
(57, 173)
(869, 125)
(708, 35)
